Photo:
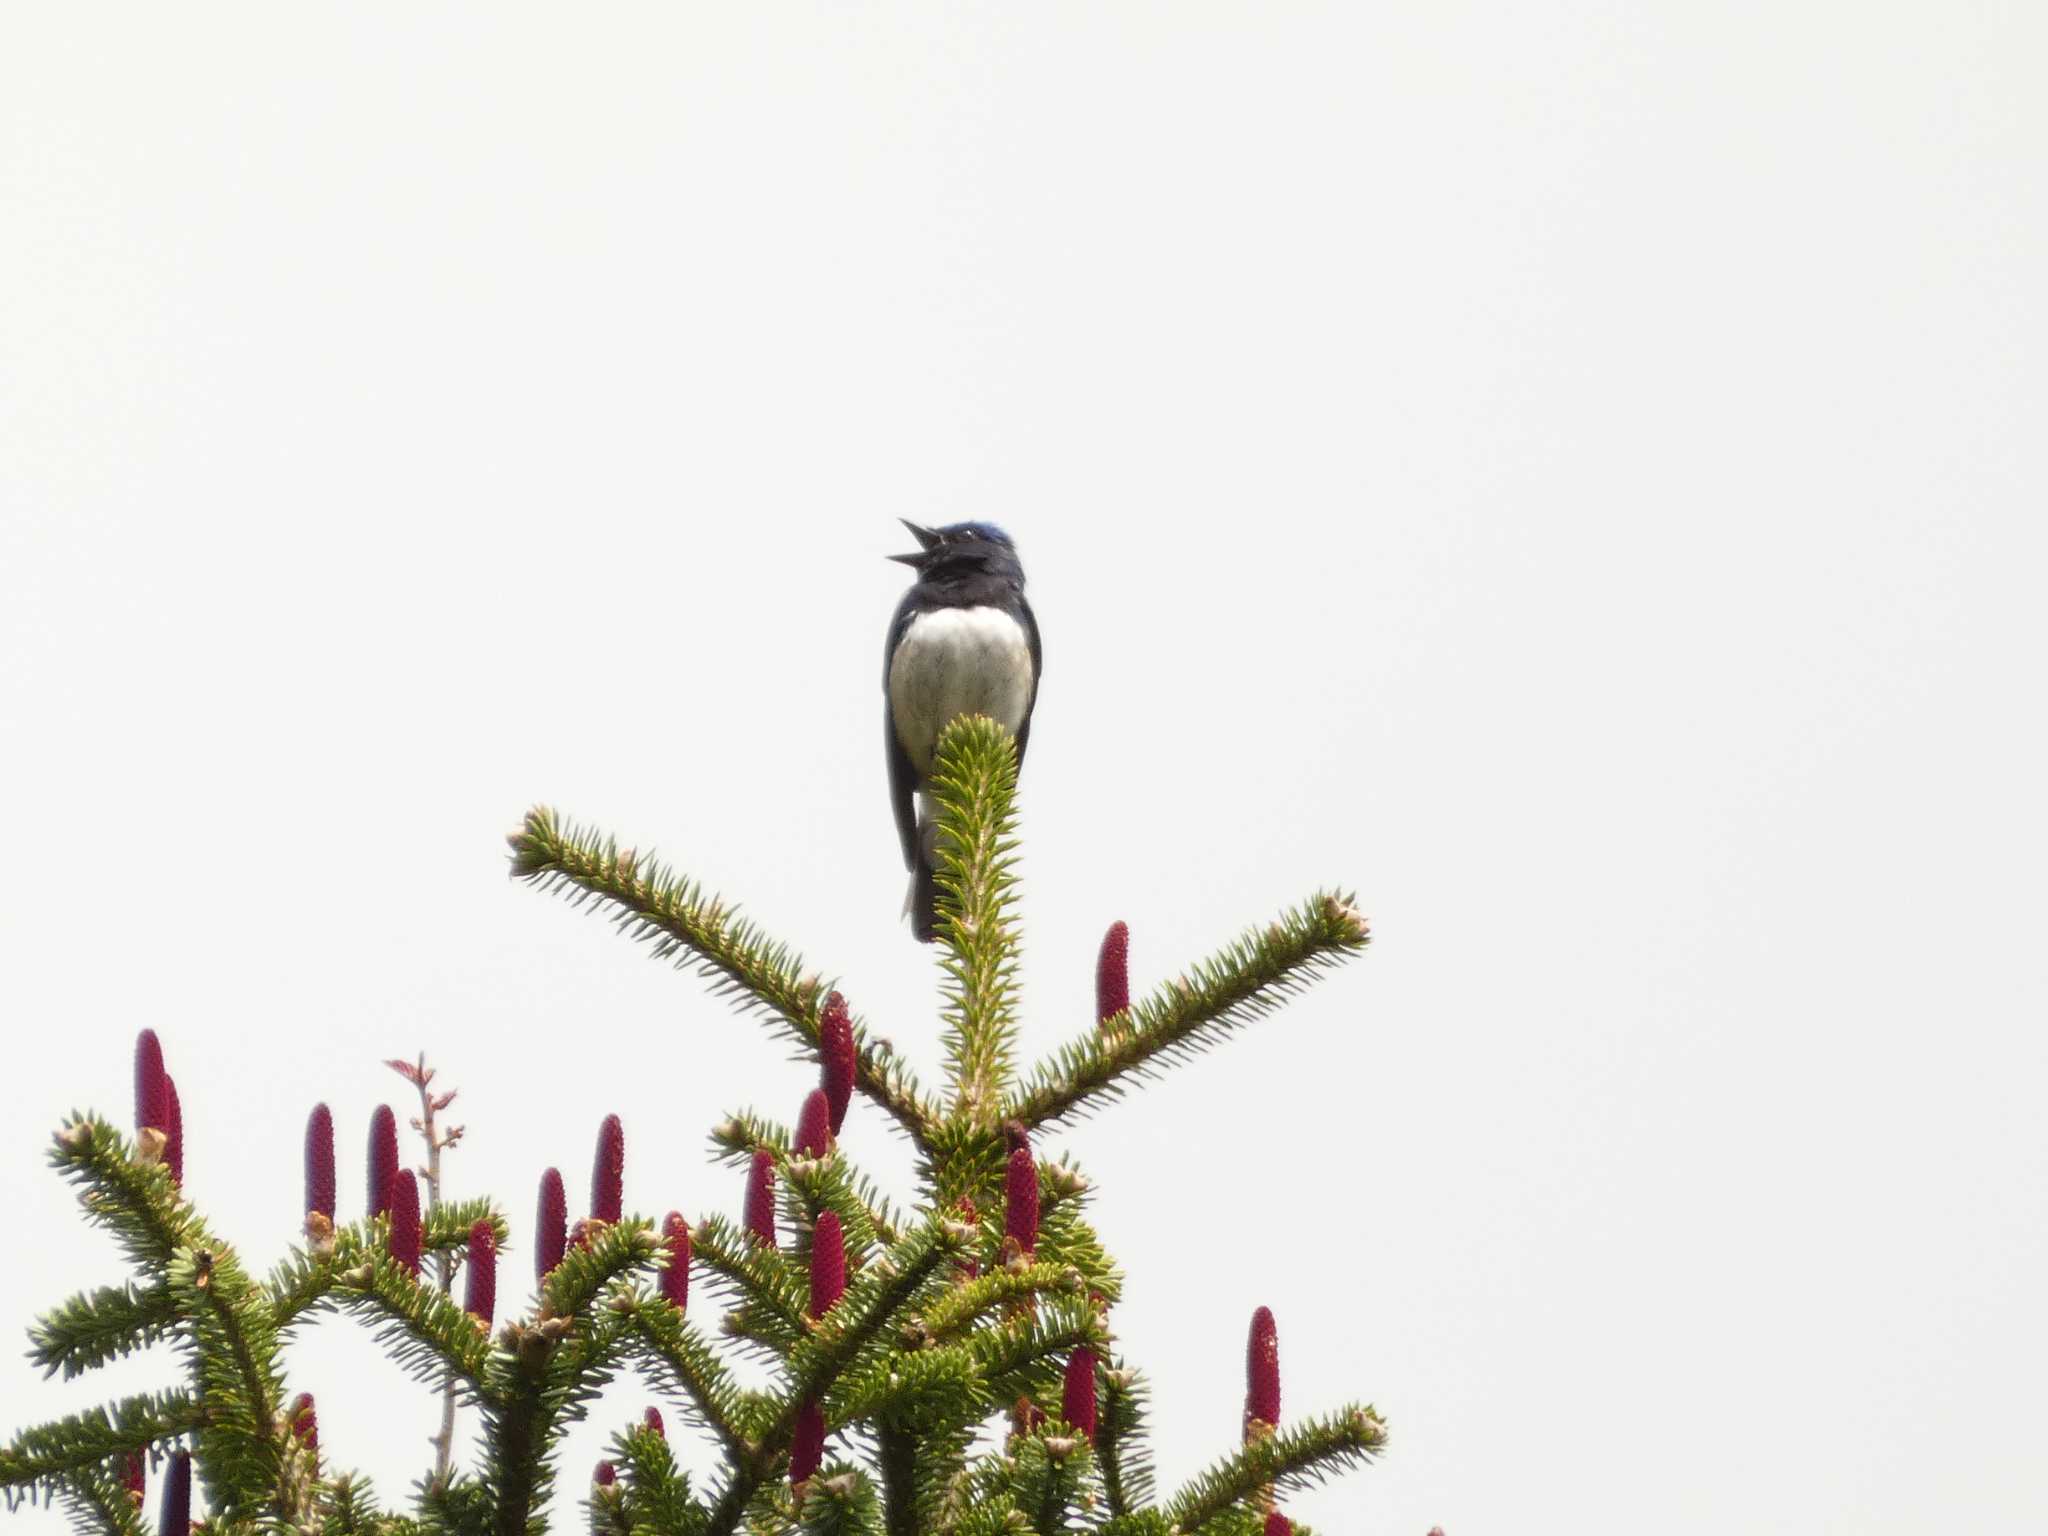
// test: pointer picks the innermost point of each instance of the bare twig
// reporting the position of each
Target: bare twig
(420, 1075)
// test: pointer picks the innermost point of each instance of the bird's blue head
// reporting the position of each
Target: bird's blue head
(962, 549)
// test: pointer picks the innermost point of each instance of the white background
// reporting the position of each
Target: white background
(1572, 473)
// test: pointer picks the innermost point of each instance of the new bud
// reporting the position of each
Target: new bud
(828, 1264)
(653, 1421)
(675, 1280)
(480, 1291)
(1278, 1524)
(320, 1161)
(605, 1475)
(383, 1158)
(608, 1172)
(1077, 1399)
(814, 1125)
(1020, 1202)
(550, 1224)
(1112, 974)
(835, 1049)
(1262, 1373)
(405, 1221)
(760, 1212)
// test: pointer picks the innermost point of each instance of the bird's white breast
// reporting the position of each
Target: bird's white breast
(957, 661)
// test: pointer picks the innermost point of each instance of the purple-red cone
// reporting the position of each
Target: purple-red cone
(1020, 1201)
(152, 1088)
(1262, 1370)
(550, 1224)
(806, 1443)
(1113, 974)
(176, 1516)
(675, 1280)
(760, 1213)
(653, 1422)
(1278, 1524)
(480, 1289)
(383, 1158)
(304, 1421)
(835, 1049)
(1077, 1398)
(174, 1133)
(608, 1171)
(405, 1221)
(131, 1476)
(828, 1264)
(320, 1161)
(605, 1475)
(814, 1125)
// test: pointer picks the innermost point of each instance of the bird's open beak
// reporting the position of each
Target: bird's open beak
(925, 536)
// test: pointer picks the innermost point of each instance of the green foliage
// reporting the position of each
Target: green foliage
(1120, 1439)
(944, 1327)
(99, 1326)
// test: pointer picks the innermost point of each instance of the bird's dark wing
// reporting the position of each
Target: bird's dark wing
(1030, 621)
(902, 776)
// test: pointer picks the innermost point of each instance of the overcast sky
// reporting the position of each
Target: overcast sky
(1571, 473)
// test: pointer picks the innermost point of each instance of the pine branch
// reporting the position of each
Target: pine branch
(133, 1199)
(1067, 1238)
(1050, 1473)
(99, 1326)
(675, 915)
(420, 1327)
(678, 1356)
(1119, 1439)
(56, 1450)
(840, 1501)
(820, 1355)
(896, 1451)
(548, 1375)
(1238, 985)
(964, 1305)
(550, 1370)
(1140, 1522)
(921, 1392)
(99, 1504)
(349, 1508)
(874, 1298)
(455, 1505)
(1292, 1458)
(815, 1184)
(973, 788)
(236, 1371)
(657, 1495)
(763, 1282)
(612, 1252)
(302, 1283)
(839, 1184)
(1026, 1356)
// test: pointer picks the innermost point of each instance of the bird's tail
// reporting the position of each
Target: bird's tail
(921, 901)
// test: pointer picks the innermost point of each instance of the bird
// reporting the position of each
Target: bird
(964, 642)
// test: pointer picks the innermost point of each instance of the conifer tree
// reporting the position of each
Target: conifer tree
(947, 1366)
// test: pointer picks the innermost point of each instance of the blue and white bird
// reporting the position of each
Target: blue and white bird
(964, 642)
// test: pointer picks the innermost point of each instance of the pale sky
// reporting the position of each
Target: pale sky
(1571, 473)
